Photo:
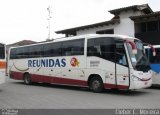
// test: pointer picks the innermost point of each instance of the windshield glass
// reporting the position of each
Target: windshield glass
(2, 51)
(139, 60)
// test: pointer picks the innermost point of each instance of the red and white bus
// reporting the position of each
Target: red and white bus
(95, 61)
(2, 63)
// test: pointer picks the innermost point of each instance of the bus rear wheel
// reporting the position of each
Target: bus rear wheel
(27, 79)
(96, 84)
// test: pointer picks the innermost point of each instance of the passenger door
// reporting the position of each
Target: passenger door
(122, 70)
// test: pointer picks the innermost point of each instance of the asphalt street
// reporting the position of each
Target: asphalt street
(15, 94)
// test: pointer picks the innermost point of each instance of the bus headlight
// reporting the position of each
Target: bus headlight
(135, 78)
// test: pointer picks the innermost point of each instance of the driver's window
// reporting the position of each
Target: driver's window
(121, 54)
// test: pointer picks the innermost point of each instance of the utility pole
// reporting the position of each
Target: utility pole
(49, 22)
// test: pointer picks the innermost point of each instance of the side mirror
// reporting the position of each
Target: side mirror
(134, 51)
(153, 50)
(133, 46)
(154, 53)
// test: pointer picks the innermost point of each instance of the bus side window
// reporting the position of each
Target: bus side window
(35, 51)
(19, 53)
(73, 47)
(101, 47)
(52, 49)
(108, 52)
(92, 51)
(2, 50)
(13, 53)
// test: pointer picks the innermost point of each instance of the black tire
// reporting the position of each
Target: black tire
(96, 84)
(27, 79)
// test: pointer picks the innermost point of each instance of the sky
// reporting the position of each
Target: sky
(28, 19)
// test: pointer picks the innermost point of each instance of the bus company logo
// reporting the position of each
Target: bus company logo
(47, 63)
(74, 62)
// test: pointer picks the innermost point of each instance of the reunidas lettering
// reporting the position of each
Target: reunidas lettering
(47, 63)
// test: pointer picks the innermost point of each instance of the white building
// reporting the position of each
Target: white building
(136, 21)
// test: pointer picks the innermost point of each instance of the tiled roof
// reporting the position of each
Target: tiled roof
(144, 7)
(154, 14)
(72, 30)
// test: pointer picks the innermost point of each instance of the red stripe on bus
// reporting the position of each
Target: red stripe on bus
(57, 80)
(60, 80)
(16, 75)
(48, 79)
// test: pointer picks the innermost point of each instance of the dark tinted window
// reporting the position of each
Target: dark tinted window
(52, 49)
(154, 59)
(111, 31)
(73, 47)
(19, 53)
(35, 51)
(13, 53)
(152, 26)
(27, 52)
(143, 27)
(67, 48)
(101, 47)
(121, 53)
(2, 51)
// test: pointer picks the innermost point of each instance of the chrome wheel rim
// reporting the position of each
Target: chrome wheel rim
(95, 85)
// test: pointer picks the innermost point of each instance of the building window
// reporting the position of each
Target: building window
(152, 26)
(110, 31)
(143, 27)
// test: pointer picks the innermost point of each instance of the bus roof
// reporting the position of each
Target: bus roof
(88, 36)
(94, 35)
(155, 46)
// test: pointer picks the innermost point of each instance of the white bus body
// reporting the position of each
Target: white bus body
(154, 63)
(94, 61)
(2, 63)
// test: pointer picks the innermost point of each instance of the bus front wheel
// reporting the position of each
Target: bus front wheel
(96, 84)
(27, 79)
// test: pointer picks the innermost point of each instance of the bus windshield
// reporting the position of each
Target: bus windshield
(139, 60)
(2, 51)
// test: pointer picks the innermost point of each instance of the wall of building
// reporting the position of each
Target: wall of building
(126, 25)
